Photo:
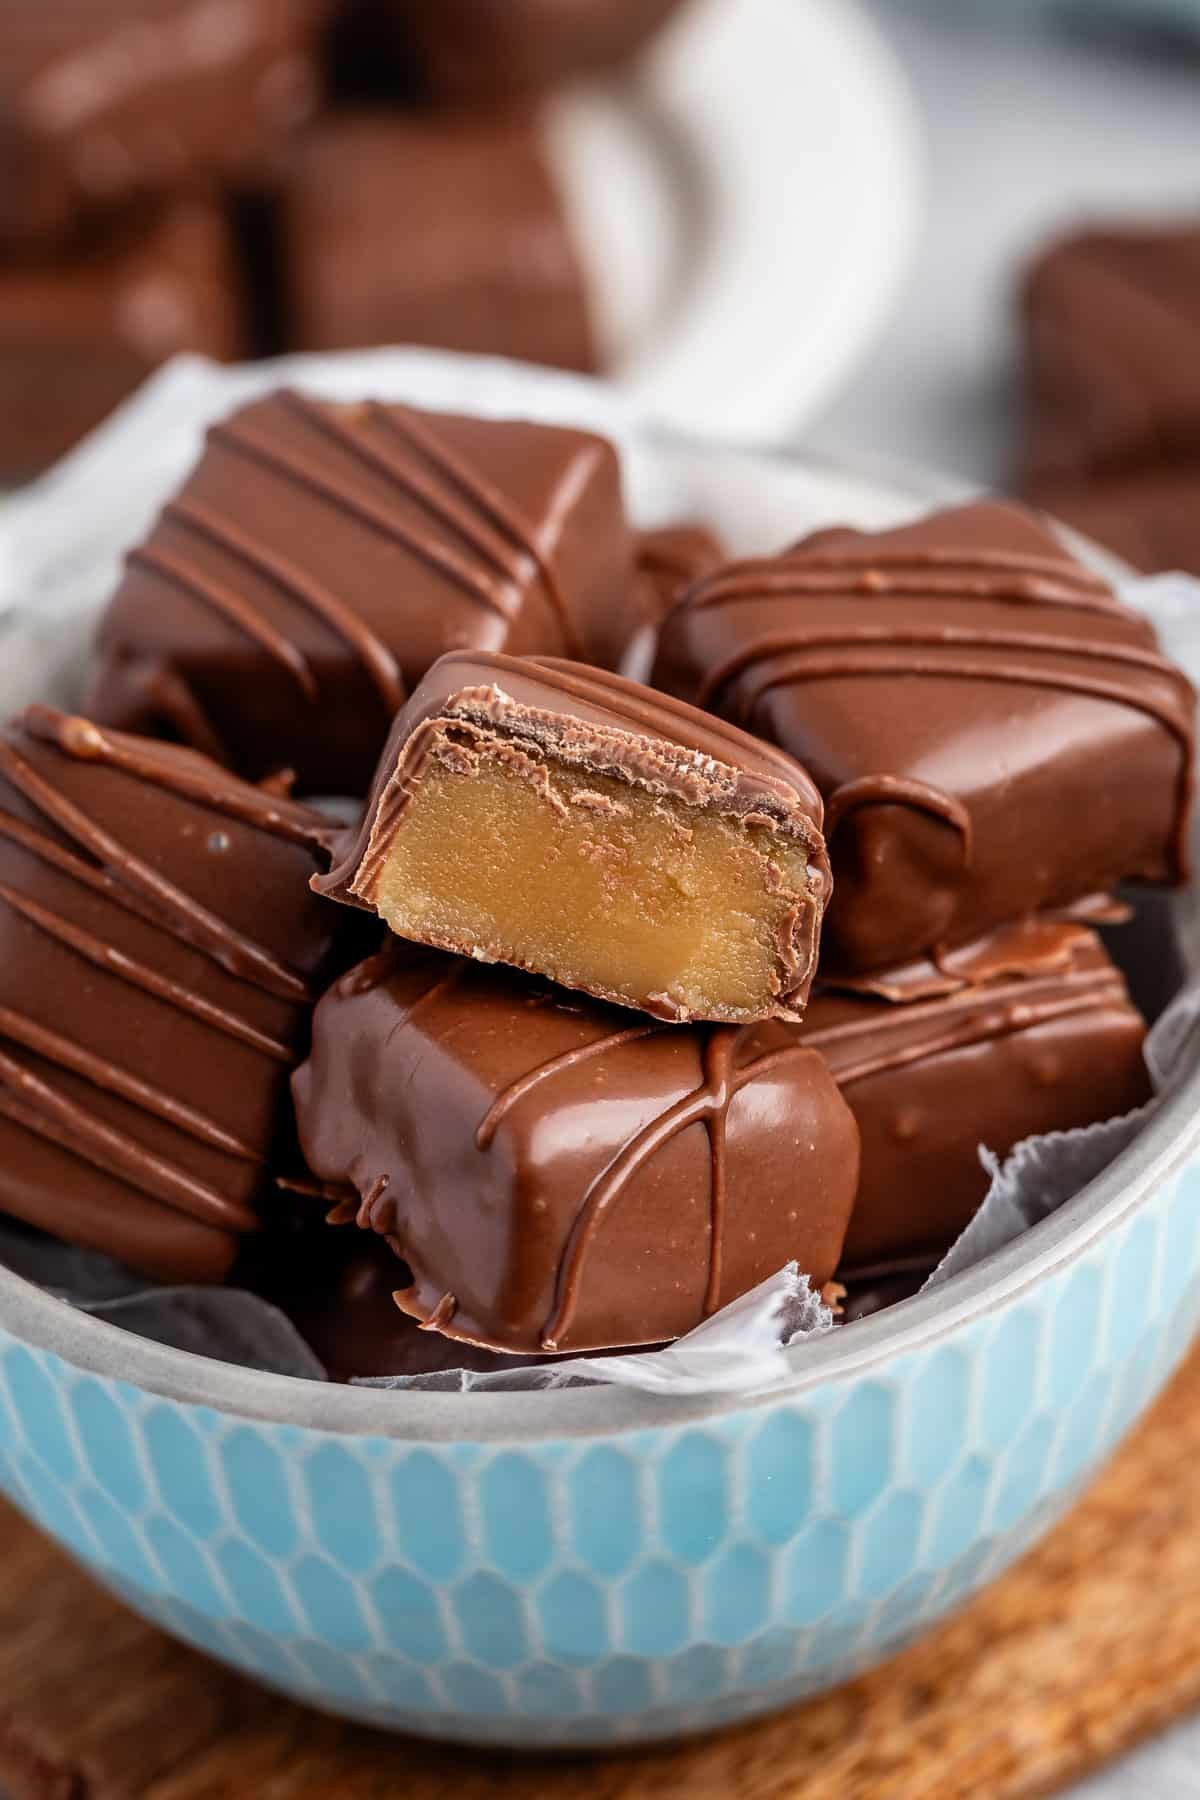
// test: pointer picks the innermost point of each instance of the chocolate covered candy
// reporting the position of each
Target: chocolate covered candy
(476, 50)
(79, 333)
(584, 828)
(159, 948)
(1112, 334)
(1151, 517)
(993, 733)
(431, 230)
(669, 558)
(104, 100)
(321, 556)
(988, 1064)
(558, 1175)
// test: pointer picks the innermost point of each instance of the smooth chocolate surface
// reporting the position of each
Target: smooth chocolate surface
(80, 332)
(1151, 517)
(558, 1175)
(992, 1063)
(159, 953)
(105, 100)
(626, 844)
(669, 558)
(993, 733)
(1111, 322)
(442, 230)
(321, 557)
(476, 50)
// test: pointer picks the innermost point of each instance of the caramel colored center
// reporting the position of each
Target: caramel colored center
(594, 883)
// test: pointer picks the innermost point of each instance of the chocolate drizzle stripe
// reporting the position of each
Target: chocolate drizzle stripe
(104, 956)
(899, 790)
(496, 507)
(297, 583)
(181, 773)
(557, 1065)
(1012, 674)
(981, 1019)
(707, 1104)
(70, 1127)
(233, 435)
(103, 1074)
(193, 581)
(796, 641)
(240, 955)
(1007, 577)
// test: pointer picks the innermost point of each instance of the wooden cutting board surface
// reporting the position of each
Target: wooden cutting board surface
(1091, 1643)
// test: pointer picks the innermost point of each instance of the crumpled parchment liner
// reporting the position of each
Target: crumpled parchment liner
(53, 577)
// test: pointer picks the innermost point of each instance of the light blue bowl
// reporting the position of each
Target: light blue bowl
(591, 1566)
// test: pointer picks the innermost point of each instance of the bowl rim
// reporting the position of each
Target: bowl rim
(1166, 1143)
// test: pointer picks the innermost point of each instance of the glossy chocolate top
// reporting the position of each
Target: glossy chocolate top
(484, 262)
(1003, 1057)
(557, 1175)
(1112, 334)
(669, 558)
(994, 734)
(322, 556)
(159, 952)
(101, 100)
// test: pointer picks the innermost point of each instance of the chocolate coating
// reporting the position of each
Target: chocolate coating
(669, 558)
(1111, 321)
(559, 1175)
(80, 332)
(431, 230)
(320, 557)
(473, 50)
(932, 1080)
(611, 727)
(1151, 517)
(159, 949)
(105, 100)
(993, 733)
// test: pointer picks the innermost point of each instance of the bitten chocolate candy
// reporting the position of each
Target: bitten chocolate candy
(1112, 340)
(584, 828)
(405, 229)
(103, 100)
(159, 947)
(79, 333)
(993, 733)
(321, 556)
(476, 50)
(990, 1064)
(558, 1175)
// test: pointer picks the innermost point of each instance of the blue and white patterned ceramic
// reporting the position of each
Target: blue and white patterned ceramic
(592, 1566)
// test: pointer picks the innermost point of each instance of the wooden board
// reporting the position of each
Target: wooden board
(1087, 1646)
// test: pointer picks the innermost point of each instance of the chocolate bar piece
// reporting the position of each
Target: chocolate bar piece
(1112, 340)
(990, 1064)
(159, 950)
(431, 230)
(584, 828)
(473, 50)
(669, 558)
(322, 556)
(105, 100)
(1150, 517)
(77, 335)
(558, 1175)
(993, 733)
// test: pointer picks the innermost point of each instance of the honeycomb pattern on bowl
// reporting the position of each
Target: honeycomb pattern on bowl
(598, 1591)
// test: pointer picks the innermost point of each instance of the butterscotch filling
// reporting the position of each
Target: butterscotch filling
(594, 882)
